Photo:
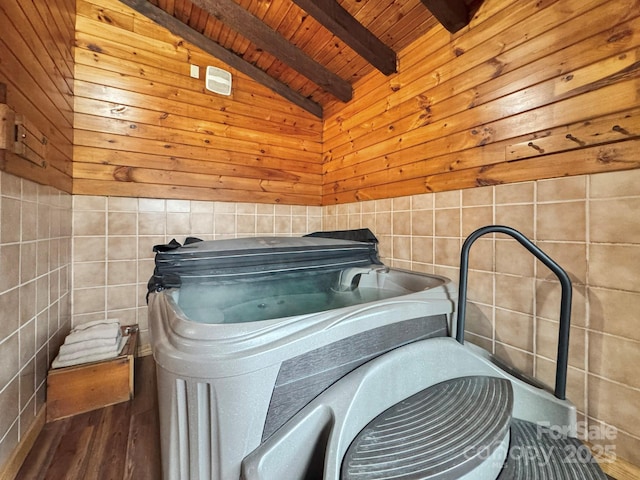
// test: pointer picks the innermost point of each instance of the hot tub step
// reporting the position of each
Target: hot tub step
(442, 432)
(537, 453)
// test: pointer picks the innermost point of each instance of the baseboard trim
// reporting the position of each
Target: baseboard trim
(614, 466)
(144, 350)
(621, 469)
(15, 461)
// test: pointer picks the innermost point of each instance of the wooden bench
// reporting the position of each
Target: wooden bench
(86, 387)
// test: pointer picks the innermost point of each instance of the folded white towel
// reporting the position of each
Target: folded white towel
(84, 326)
(59, 363)
(112, 349)
(93, 332)
(87, 344)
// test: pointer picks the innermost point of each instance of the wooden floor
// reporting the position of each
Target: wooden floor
(117, 442)
(114, 443)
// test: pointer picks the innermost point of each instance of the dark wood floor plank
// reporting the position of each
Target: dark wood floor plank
(43, 451)
(109, 449)
(143, 451)
(146, 397)
(112, 443)
(70, 457)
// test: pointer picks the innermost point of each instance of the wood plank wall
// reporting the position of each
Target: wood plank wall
(530, 90)
(36, 66)
(144, 128)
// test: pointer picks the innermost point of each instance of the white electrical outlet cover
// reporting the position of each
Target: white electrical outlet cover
(218, 81)
(195, 71)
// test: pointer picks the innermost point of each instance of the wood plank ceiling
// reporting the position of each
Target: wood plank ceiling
(309, 51)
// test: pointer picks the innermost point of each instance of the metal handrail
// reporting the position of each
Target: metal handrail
(565, 301)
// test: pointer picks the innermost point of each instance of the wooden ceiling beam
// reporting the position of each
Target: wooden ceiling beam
(339, 22)
(264, 37)
(182, 30)
(452, 14)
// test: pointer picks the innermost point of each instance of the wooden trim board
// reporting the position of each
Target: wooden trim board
(614, 466)
(18, 455)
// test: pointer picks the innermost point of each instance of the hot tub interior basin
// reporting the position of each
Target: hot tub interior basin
(291, 294)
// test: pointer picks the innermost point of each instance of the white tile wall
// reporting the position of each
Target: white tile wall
(35, 298)
(70, 259)
(588, 224)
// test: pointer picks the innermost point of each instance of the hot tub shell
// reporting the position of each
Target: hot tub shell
(226, 388)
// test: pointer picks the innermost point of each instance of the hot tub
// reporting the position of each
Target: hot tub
(246, 332)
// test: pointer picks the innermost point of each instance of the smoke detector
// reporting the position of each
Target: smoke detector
(218, 81)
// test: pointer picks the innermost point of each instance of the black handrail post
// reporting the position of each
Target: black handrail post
(565, 300)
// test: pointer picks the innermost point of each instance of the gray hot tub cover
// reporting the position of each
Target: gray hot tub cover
(259, 256)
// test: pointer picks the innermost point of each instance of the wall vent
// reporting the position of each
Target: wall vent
(218, 81)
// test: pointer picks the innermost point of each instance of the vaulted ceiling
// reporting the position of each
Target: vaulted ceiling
(309, 51)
